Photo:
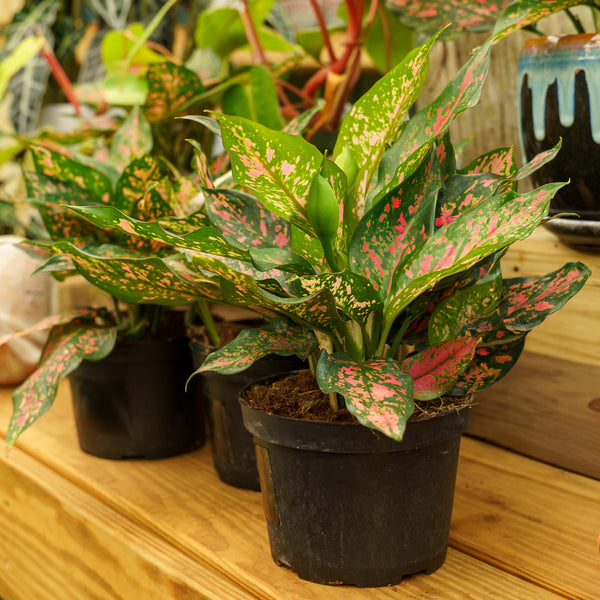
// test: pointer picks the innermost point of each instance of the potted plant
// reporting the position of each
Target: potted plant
(123, 174)
(382, 263)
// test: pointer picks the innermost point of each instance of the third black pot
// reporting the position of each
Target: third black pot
(346, 505)
(133, 403)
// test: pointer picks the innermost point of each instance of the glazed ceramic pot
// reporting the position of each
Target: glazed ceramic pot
(559, 98)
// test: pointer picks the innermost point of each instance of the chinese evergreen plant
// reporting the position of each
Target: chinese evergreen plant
(381, 261)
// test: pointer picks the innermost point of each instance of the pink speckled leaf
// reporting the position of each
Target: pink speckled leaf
(132, 140)
(436, 370)
(525, 12)
(489, 365)
(170, 89)
(206, 239)
(65, 169)
(499, 162)
(472, 236)
(430, 15)
(267, 259)
(376, 391)
(281, 337)
(134, 181)
(139, 280)
(396, 227)
(52, 321)
(67, 346)
(354, 294)
(419, 134)
(463, 306)
(528, 301)
(277, 167)
(377, 118)
(244, 222)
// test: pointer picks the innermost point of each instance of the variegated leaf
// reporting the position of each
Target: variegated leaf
(54, 320)
(132, 140)
(206, 239)
(276, 166)
(244, 222)
(354, 294)
(525, 12)
(436, 370)
(431, 15)
(396, 227)
(64, 169)
(376, 392)
(489, 365)
(170, 89)
(463, 92)
(528, 301)
(267, 259)
(182, 225)
(464, 306)
(471, 237)
(377, 118)
(134, 181)
(280, 337)
(141, 280)
(67, 346)
(499, 162)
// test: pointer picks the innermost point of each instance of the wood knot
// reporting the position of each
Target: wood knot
(594, 405)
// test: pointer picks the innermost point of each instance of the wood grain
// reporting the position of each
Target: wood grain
(528, 518)
(178, 505)
(545, 408)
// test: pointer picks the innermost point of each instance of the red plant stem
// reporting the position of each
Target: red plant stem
(59, 73)
(323, 27)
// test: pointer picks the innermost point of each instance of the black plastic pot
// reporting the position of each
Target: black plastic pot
(347, 505)
(233, 448)
(133, 403)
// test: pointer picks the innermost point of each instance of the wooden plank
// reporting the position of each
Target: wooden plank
(531, 519)
(573, 333)
(545, 408)
(59, 542)
(221, 529)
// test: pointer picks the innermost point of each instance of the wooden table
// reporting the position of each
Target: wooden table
(76, 527)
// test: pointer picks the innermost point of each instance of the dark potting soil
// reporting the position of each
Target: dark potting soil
(298, 396)
(227, 330)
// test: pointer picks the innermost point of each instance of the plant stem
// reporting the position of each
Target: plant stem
(147, 33)
(399, 336)
(208, 322)
(117, 311)
(575, 21)
(323, 27)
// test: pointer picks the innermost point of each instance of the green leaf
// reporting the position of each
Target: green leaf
(377, 118)
(376, 392)
(26, 49)
(170, 88)
(134, 181)
(488, 366)
(122, 89)
(206, 239)
(67, 346)
(139, 280)
(436, 370)
(354, 294)
(267, 259)
(465, 306)
(277, 167)
(279, 337)
(132, 140)
(492, 225)
(420, 132)
(64, 169)
(255, 99)
(116, 46)
(221, 30)
(499, 162)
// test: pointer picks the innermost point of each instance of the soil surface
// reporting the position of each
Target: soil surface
(227, 330)
(298, 396)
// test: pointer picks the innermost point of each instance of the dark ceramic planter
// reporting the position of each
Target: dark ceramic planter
(559, 98)
(233, 449)
(347, 505)
(133, 403)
